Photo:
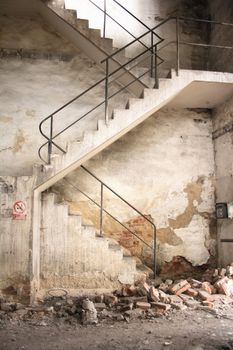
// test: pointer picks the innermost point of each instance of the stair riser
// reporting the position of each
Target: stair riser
(71, 252)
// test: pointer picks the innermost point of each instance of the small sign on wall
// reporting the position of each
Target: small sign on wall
(19, 210)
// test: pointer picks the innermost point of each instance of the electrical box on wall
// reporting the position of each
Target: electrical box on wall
(221, 210)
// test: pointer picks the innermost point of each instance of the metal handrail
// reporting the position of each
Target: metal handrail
(118, 23)
(103, 210)
(144, 34)
(50, 138)
(153, 50)
(114, 20)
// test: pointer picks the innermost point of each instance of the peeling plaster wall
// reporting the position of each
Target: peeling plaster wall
(222, 119)
(165, 168)
(32, 88)
(15, 235)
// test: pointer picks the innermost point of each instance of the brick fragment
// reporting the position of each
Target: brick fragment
(176, 302)
(164, 287)
(142, 305)
(222, 272)
(110, 299)
(99, 298)
(144, 289)
(154, 294)
(207, 303)
(100, 306)
(191, 292)
(160, 307)
(204, 295)
(180, 287)
(128, 300)
(133, 313)
(193, 304)
(229, 271)
(225, 286)
(207, 287)
(195, 283)
(126, 307)
(164, 298)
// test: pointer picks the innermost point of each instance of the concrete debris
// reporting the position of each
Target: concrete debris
(146, 300)
(89, 313)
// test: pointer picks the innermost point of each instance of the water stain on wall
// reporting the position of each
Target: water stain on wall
(5, 119)
(19, 141)
(142, 228)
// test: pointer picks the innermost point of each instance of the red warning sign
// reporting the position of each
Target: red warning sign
(19, 210)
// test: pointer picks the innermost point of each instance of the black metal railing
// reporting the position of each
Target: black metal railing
(50, 143)
(112, 75)
(103, 211)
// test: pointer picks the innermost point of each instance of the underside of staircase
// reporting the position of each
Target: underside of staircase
(135, 112)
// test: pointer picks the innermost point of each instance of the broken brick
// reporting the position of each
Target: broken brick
(207, 303)
(110, 299)
(144, 289)
(195, 283)
(160, 307)
(204, 295)
(154, 294)
(100, 306)
(225, 286)
(207, 287)
(191, 292)
(142, 305)
(180, 287)
(164, 298)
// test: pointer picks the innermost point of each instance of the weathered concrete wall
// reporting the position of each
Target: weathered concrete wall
(15, 236)
(32, 88)
(221, 59)
(165, 168)
(223, 120)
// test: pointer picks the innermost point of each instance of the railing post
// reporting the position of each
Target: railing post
(156, 69)
(50, 144)
(105, 15)
(154, 257)
(101, 208)
(152, 54)
(106, 92)
(177, 46)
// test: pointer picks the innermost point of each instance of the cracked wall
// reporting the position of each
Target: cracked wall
(165, 168)
(223, 143)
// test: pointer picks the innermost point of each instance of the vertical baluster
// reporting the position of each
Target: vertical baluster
(155, 267)
(106, 92)
(177, 47)
(156, 69)
(50, 144)
(101, 208)
(105, 17)
(152, 55)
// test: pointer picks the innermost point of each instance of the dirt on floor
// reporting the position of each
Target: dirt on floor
(185, 329)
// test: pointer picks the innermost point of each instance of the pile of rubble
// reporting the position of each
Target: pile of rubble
(146, 300)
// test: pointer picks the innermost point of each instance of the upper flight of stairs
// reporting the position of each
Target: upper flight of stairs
(89, 41)
(123, 120)
(72, 255)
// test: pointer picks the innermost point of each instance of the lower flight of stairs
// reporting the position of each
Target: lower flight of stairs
(73, 256)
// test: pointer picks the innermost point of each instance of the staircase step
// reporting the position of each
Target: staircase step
(82, 24)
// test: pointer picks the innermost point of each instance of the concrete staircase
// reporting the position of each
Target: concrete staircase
(73, 256)
(125, 119)
(106, 45)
